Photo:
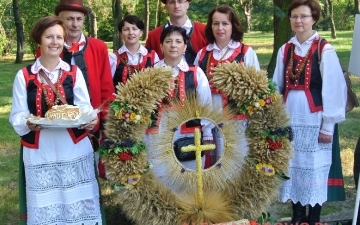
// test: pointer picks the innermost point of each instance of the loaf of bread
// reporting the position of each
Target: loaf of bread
(70, 112)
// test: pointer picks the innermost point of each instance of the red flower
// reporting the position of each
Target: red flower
(123, 156)
(273, 145)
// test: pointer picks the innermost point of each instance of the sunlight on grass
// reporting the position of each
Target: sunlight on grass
(347, 161)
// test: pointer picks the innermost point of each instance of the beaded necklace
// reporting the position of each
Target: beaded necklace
(45, 93)
(136, 67)
(209, 59)
(297, 75)
(173, 93)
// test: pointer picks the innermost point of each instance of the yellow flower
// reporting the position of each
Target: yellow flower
(120, 114)
(197, 114)
(132, 116)
(131, 180)
(264, 143)
(265, 169)
(275, 97)
(262, 102)
(250, 110)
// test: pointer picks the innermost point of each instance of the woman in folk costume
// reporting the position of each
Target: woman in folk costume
(58, 164)
(132, 56)
(224, 32)
(188, 80)
(314, 91)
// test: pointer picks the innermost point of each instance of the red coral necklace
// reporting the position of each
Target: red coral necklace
(56, 93)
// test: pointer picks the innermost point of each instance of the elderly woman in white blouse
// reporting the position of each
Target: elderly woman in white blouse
(315, 95)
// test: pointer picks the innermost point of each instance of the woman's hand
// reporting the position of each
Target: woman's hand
(324, 138)
(33, 127)
(90, 125)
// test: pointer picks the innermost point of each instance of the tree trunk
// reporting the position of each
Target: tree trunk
(147, 15)
(325, 13)
(331, 11)
(157, 13)
(357, 7)
(19, 33)
(93, 23)
(117, 15)
(282, 32)
(246, 8)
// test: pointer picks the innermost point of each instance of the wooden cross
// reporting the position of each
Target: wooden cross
(198, 148)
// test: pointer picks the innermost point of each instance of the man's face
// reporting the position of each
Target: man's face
(74, 22)
(177, 8)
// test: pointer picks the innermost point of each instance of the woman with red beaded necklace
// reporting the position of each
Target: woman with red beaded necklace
(132, 56)
(57, 163)
(315, 95)
(224, 32)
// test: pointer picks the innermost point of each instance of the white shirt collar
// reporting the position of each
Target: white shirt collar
(82, 39)
(183, 66)
(187, 24)
(232, 45)
(296, 42)
(142, 50)
(36, 67)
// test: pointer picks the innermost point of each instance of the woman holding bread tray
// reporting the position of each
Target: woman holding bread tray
(57, 177)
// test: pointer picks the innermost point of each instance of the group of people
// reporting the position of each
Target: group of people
(58, 179)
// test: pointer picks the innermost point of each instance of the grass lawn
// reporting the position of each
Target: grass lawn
(261, 42)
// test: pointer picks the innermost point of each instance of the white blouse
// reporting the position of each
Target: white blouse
(334, 91)
(202, 90)
(20, 109)
(250, 57)
(133, 59)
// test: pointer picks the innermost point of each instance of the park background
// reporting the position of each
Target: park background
(266, 28)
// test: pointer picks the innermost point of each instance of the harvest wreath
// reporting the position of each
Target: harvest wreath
(240, 185)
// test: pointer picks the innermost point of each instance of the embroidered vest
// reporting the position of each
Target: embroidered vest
(37, 105)
(122, 73)
(207, 65)
(310, 79)
(188, 87)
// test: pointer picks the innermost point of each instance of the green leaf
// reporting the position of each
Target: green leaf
(282, 176)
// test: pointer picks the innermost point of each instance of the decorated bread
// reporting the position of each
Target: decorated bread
(70, 112)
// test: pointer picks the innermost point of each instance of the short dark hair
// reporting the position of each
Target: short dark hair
(173, 29)
(132, 20)
(43, 24)
(236, 34)
(312, 4)
(164, 1)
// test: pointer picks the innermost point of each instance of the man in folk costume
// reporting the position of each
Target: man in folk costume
(195, 31)
(91, 56)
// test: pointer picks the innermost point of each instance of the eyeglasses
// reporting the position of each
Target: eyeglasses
(178, 2)
(302, 17)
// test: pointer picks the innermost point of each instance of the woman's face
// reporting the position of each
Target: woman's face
(52, 41)
(301, 20)
(130, 33)
(173, 46)
(221, 27)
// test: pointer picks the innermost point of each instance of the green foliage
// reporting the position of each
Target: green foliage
(105, 25)
(266, 218)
